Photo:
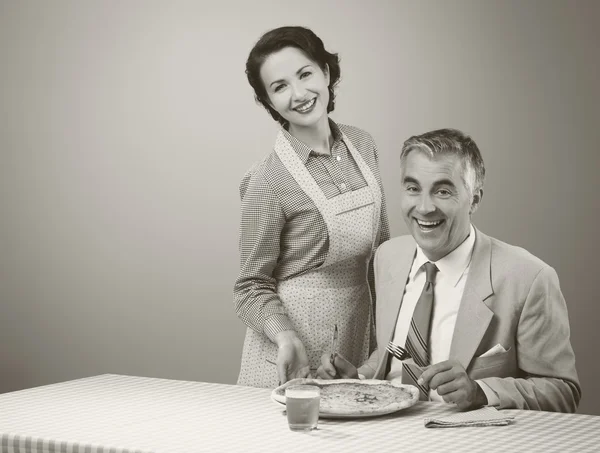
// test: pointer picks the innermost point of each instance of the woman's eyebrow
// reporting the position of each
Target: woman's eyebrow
(297, 72)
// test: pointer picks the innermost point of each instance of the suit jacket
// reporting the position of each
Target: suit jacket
(511, 298)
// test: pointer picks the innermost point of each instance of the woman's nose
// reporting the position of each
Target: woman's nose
(298, 91)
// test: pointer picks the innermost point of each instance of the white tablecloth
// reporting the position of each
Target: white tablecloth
(126, 414)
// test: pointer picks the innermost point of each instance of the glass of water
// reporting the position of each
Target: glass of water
(302, 407)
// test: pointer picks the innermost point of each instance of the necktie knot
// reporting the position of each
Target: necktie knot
(430, 271)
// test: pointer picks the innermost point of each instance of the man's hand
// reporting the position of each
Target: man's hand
(453, 384)
(292, 361)
(340, 369)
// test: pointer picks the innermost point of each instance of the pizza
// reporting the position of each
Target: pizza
(356, 398)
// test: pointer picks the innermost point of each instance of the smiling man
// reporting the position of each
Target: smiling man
(472, 320)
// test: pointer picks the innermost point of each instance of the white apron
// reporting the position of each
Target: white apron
(335, 292)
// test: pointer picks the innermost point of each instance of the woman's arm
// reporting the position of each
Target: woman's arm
(262, 220)
(384, 225)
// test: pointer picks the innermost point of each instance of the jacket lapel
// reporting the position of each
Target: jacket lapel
(474, 316)
(393, 287)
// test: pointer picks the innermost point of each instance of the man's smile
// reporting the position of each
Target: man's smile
(428, 225)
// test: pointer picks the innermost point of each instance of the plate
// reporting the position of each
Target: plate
(352, 398)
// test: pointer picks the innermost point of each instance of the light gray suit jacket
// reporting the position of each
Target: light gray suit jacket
(511, 298)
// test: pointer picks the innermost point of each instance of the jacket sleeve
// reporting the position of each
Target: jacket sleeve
(547, 378)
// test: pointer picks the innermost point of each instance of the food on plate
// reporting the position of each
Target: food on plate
(352, 397)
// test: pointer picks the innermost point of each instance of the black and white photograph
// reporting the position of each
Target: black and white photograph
(265, 226)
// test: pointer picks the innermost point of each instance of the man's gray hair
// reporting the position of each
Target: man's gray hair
(451, 142)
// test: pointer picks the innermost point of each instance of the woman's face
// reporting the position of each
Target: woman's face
(296, 87)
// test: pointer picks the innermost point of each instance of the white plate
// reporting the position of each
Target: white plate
(367, 389)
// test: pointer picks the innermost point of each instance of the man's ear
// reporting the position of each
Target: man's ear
(477, 196)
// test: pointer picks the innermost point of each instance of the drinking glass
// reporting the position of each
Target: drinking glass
(302, 407)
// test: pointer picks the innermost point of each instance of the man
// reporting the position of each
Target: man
(484, 322)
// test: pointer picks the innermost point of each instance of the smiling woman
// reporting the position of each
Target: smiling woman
(313, 213)
(297, 89)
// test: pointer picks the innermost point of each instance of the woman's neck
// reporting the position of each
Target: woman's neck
(318, 137)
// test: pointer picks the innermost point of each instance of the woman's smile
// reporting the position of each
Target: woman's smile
(306, 107)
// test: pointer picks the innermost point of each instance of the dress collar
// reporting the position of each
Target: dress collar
(302, 149)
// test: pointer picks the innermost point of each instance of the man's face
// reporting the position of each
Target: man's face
(435, 202)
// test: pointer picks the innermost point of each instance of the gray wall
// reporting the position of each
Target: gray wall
(125, 127)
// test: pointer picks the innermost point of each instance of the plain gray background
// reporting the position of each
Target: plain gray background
(126, 126)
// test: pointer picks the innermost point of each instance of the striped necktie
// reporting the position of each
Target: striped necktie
(417, 341)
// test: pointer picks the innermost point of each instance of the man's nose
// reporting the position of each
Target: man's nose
(425, 205)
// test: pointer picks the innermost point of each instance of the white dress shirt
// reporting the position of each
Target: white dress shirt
(450, 280)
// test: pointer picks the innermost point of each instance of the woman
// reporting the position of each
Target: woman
(313, 213)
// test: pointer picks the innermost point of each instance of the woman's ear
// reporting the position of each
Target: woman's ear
(326, 72)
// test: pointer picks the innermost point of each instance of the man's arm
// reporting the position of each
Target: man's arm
(545, 356)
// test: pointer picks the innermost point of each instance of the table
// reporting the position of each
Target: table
(128, 414)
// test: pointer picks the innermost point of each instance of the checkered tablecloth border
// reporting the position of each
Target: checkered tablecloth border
(127, 414)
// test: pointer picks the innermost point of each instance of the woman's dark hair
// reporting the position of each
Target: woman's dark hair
(301, 38)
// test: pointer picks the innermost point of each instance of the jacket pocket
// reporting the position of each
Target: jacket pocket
(496, 365)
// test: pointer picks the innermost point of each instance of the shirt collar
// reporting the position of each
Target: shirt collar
(302, 149)
(454, 264)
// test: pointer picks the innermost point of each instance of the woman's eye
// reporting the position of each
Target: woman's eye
(305, 74)
(278, 88)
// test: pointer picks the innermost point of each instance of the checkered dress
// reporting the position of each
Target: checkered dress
(282, 234)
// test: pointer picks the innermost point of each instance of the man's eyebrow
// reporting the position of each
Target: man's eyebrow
(440, 182)
(297, 72)
(410, 179)
(444, 182)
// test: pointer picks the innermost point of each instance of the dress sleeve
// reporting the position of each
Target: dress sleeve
(262, 220)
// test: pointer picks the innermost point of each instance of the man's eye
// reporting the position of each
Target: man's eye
(411, 189)
(444, 192)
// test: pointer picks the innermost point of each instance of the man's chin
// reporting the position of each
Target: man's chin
(429, 245)
(426, 237)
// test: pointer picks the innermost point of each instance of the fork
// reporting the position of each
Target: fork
(412, 369)
(397, 351)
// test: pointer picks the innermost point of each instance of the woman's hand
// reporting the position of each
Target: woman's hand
(292, 361)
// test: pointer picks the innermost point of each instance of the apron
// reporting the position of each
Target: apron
(337, 292)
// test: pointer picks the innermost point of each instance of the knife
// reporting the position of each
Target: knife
(334, 338)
